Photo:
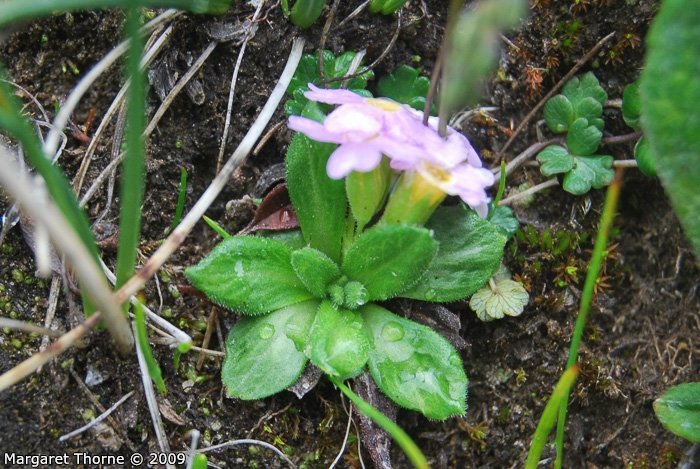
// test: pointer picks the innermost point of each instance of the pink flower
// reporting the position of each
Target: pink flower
(367, 128)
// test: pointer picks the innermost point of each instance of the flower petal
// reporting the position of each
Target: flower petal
(332, 96)
(313, 130)
(360, 121)
(350, 157)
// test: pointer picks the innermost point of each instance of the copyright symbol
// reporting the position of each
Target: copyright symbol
(137, 459)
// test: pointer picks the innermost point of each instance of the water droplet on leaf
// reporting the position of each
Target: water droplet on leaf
(392, 331)
(266, 331)
(239, 268)
(407, 376)
(430, 294)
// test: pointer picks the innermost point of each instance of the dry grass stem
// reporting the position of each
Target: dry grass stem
(193, 216)
(97, 420)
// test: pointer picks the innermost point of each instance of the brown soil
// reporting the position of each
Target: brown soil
(641, 335)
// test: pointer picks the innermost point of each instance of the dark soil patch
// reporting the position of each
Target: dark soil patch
(640, 337)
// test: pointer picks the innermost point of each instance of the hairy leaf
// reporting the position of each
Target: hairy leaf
(470, 252)
(678, 409)
(337, 342)
(414, 365)
(388, 259)
(250, 275)
(319, 201)
(315, 270)
(260, 359)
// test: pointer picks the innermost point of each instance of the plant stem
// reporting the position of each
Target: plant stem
(405, 442)
(132, 186)
(597, 259)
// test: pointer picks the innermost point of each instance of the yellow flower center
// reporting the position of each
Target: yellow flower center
(384, 104)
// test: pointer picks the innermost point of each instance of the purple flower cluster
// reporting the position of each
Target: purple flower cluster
(367, 128)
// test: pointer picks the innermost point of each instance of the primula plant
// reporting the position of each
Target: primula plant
(365, 182)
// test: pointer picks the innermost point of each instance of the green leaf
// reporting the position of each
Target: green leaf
(555, 159)
(306, 12)
(337, 342)
(414, 365)
(367, 191)
(503, 219)
(678, 409)
(559, 113)
(388, 259)
(308, 72)
(670, 94)
(632, 105)
(319, 201)
(250, 275)
(589, 171)
(293, 239)
(583, 138)
(645, 157)
(405, 86)
(500, 297)
(386, 7)
(587, 86)
(470, 252)
(260, 359)
(315, 270)
(589, 108)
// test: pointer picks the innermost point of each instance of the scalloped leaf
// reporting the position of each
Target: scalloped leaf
(645, 157)
(589, 171)
(250, 275)
(583, 139)
(632, 105)
(555, 159)
(405, 86)
(559, 113)
(579, 88)
(414, 365)
(260, 359)
(501, 297)
(307, 72)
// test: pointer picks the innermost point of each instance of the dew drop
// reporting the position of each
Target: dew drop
(407, 376)
(430, 295)
(266, 331)
(392, 331)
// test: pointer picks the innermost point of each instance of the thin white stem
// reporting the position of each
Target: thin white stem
(528, 192)
(151, 400)
(248, 442)
(625, 164)
(177, 88)
(187, 223)
(232, 88)
(67, 242)
(27, 327)
(114, 107)
(345, 440)
(193, 448)
(33, 363)
(87, 81)
(97, 420)
(179, 335)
